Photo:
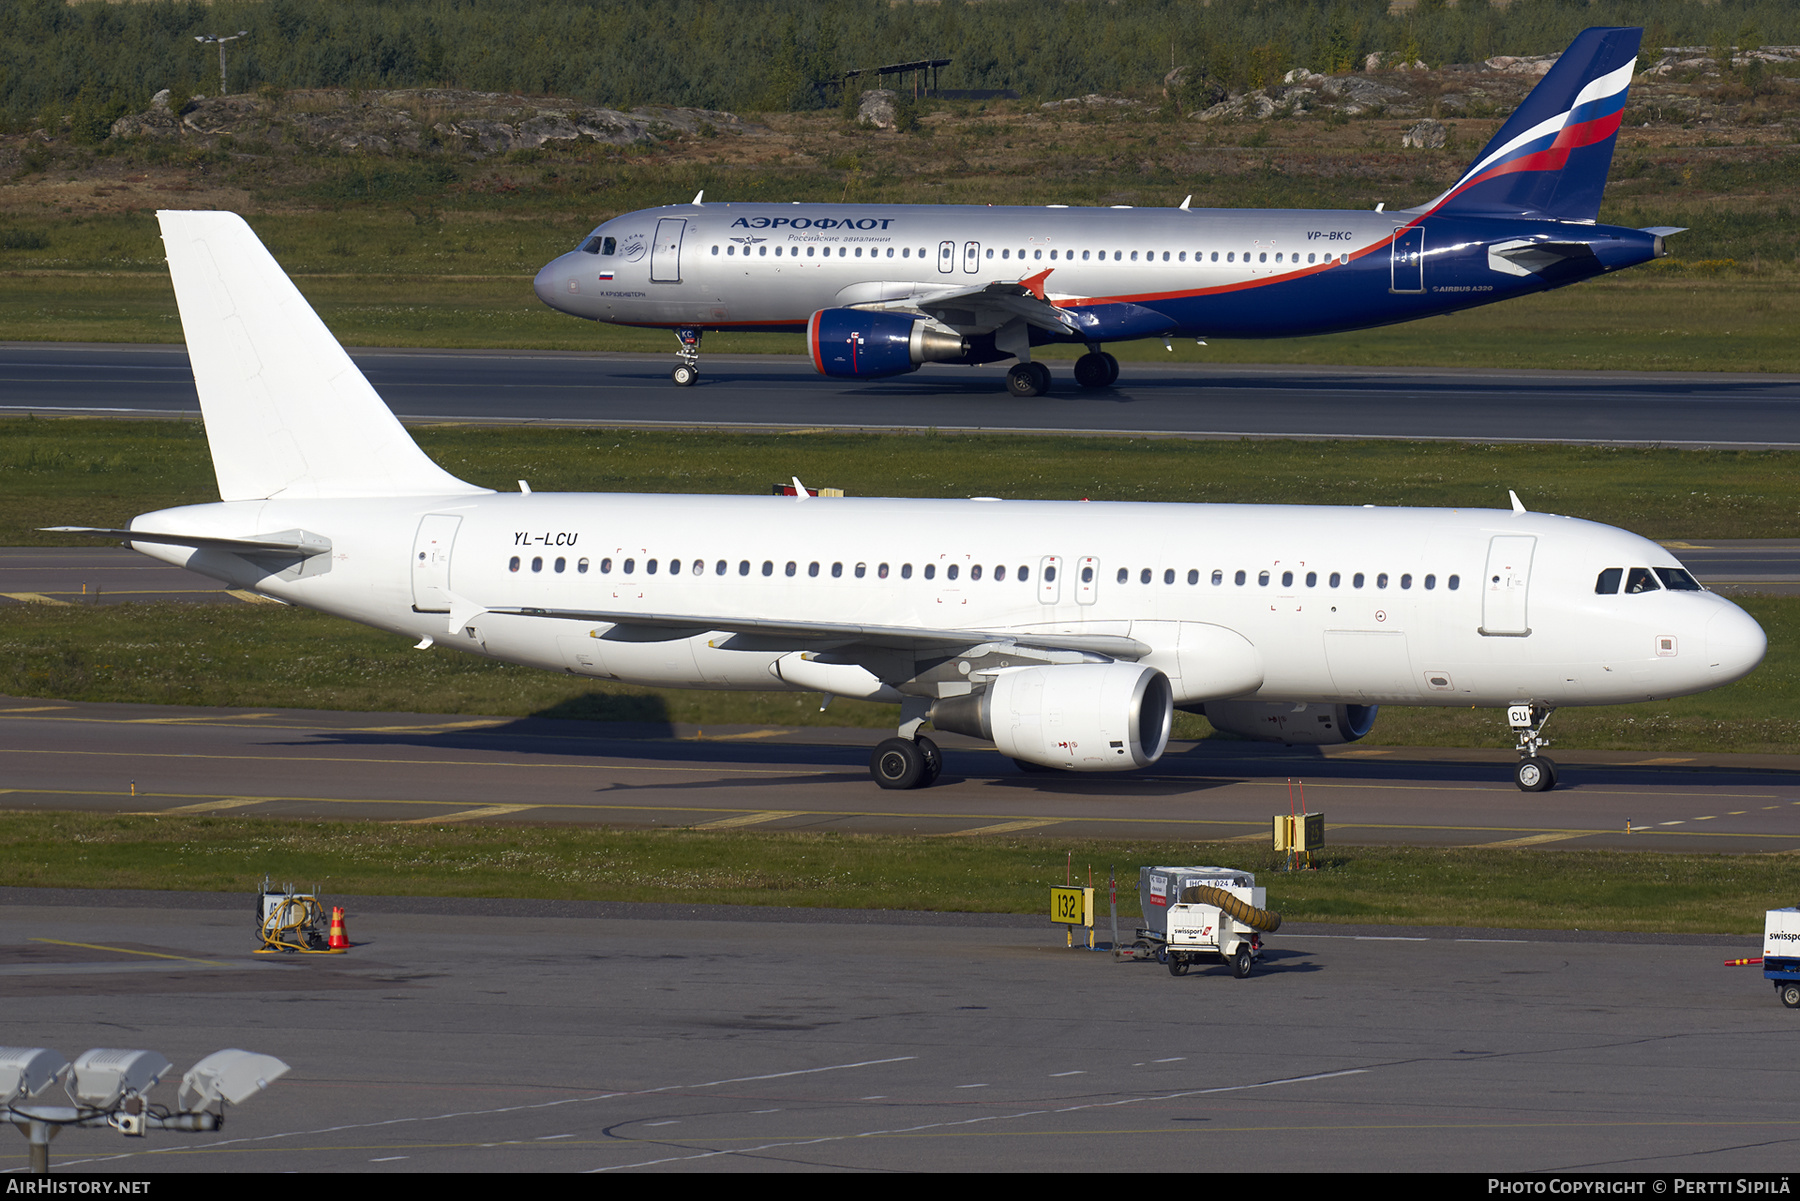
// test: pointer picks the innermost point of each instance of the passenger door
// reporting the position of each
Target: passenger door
(665, 251)
(1505, 587)
(1408, 264)
(431, 562)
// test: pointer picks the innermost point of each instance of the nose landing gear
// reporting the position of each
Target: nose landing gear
(687, 370)
(1534, 772)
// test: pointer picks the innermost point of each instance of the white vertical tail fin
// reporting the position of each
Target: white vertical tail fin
(287, 413)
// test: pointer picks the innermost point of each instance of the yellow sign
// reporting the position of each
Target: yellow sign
(1072, 906)
(1303, 833)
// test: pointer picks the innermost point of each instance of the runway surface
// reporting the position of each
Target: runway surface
(513, 1036)
(115, 758)
(783, 392)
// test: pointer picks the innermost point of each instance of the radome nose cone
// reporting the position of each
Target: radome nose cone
(1735, 644)
(543, 285)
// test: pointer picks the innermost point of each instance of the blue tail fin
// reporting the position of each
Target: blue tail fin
(1551, 158)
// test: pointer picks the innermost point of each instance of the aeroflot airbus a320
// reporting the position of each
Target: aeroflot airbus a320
(880, 289)
(1064, 632)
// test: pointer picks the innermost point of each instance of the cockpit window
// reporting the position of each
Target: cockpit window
(1608, 583)
(1676, 579)
(1641, 580)
(600, 245)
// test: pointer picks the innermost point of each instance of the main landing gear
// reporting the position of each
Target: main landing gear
(1028, 379)
(687, 370)
(906, 763)
(1534, 772)
(1096, 369)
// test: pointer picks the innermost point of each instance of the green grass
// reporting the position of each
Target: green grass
(260, 656)
(1654, 320)
(99, 472)
(1585, 890)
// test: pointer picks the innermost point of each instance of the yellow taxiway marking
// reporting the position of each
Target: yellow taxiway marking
(1655, 762)
(35, 709)
(1362, 753)
(467, 815)
(251, 597)
(1259, 836)
(236, 802)
(34, 598)
(1002, 828)
(90, 946)
(747, 819)
(700, 736)
(471, 724)
(1684, 546)
(1531, 840)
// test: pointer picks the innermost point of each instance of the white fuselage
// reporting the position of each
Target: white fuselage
(1353, 605)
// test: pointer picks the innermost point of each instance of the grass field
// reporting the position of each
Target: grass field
(1656, 319)
(1585, 890)
(70, 471)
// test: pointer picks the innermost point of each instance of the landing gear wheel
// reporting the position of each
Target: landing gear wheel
(1112, 369)
(1242, 961)
(898, 763)
(685, 374)
(1535, 774)
(934, 760)
(1789, 994)
(1028, 379)
(1178, 964)
(1091, 370)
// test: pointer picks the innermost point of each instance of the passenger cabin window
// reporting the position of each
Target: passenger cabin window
(1640, 579)
(1608, 582)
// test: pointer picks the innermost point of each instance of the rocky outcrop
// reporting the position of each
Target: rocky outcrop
(416, 120)
(1426, 135)
(877, 108)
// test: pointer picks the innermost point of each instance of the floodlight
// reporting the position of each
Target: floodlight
(229, 1075)
(28, 1071)
(103, 1075)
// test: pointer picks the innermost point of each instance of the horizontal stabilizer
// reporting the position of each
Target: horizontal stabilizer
(287, 413)
(295, 542)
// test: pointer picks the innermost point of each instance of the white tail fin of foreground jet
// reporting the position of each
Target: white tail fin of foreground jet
(1065, 633)
(287, 413)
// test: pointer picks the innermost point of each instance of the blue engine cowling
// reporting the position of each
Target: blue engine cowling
(867, 345)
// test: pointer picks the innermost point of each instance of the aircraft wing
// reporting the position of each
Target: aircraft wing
(992, 304)
(804, 634)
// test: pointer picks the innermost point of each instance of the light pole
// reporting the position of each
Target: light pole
(242, 33)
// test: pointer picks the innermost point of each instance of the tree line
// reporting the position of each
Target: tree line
(95, 60)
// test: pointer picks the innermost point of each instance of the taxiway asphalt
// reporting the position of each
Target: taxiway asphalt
(118, 758)
(469, 1036)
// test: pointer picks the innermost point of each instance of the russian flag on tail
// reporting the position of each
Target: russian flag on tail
(1551, 158)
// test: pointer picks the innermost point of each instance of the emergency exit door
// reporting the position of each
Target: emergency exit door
(1409, 260)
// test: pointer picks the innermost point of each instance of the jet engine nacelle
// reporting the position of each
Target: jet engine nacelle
(1077, 716)
(1308, 724)
(861, 344)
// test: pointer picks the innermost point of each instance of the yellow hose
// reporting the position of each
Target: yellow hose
(1239, 911)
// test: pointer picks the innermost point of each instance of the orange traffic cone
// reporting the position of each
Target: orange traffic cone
(340, 941)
